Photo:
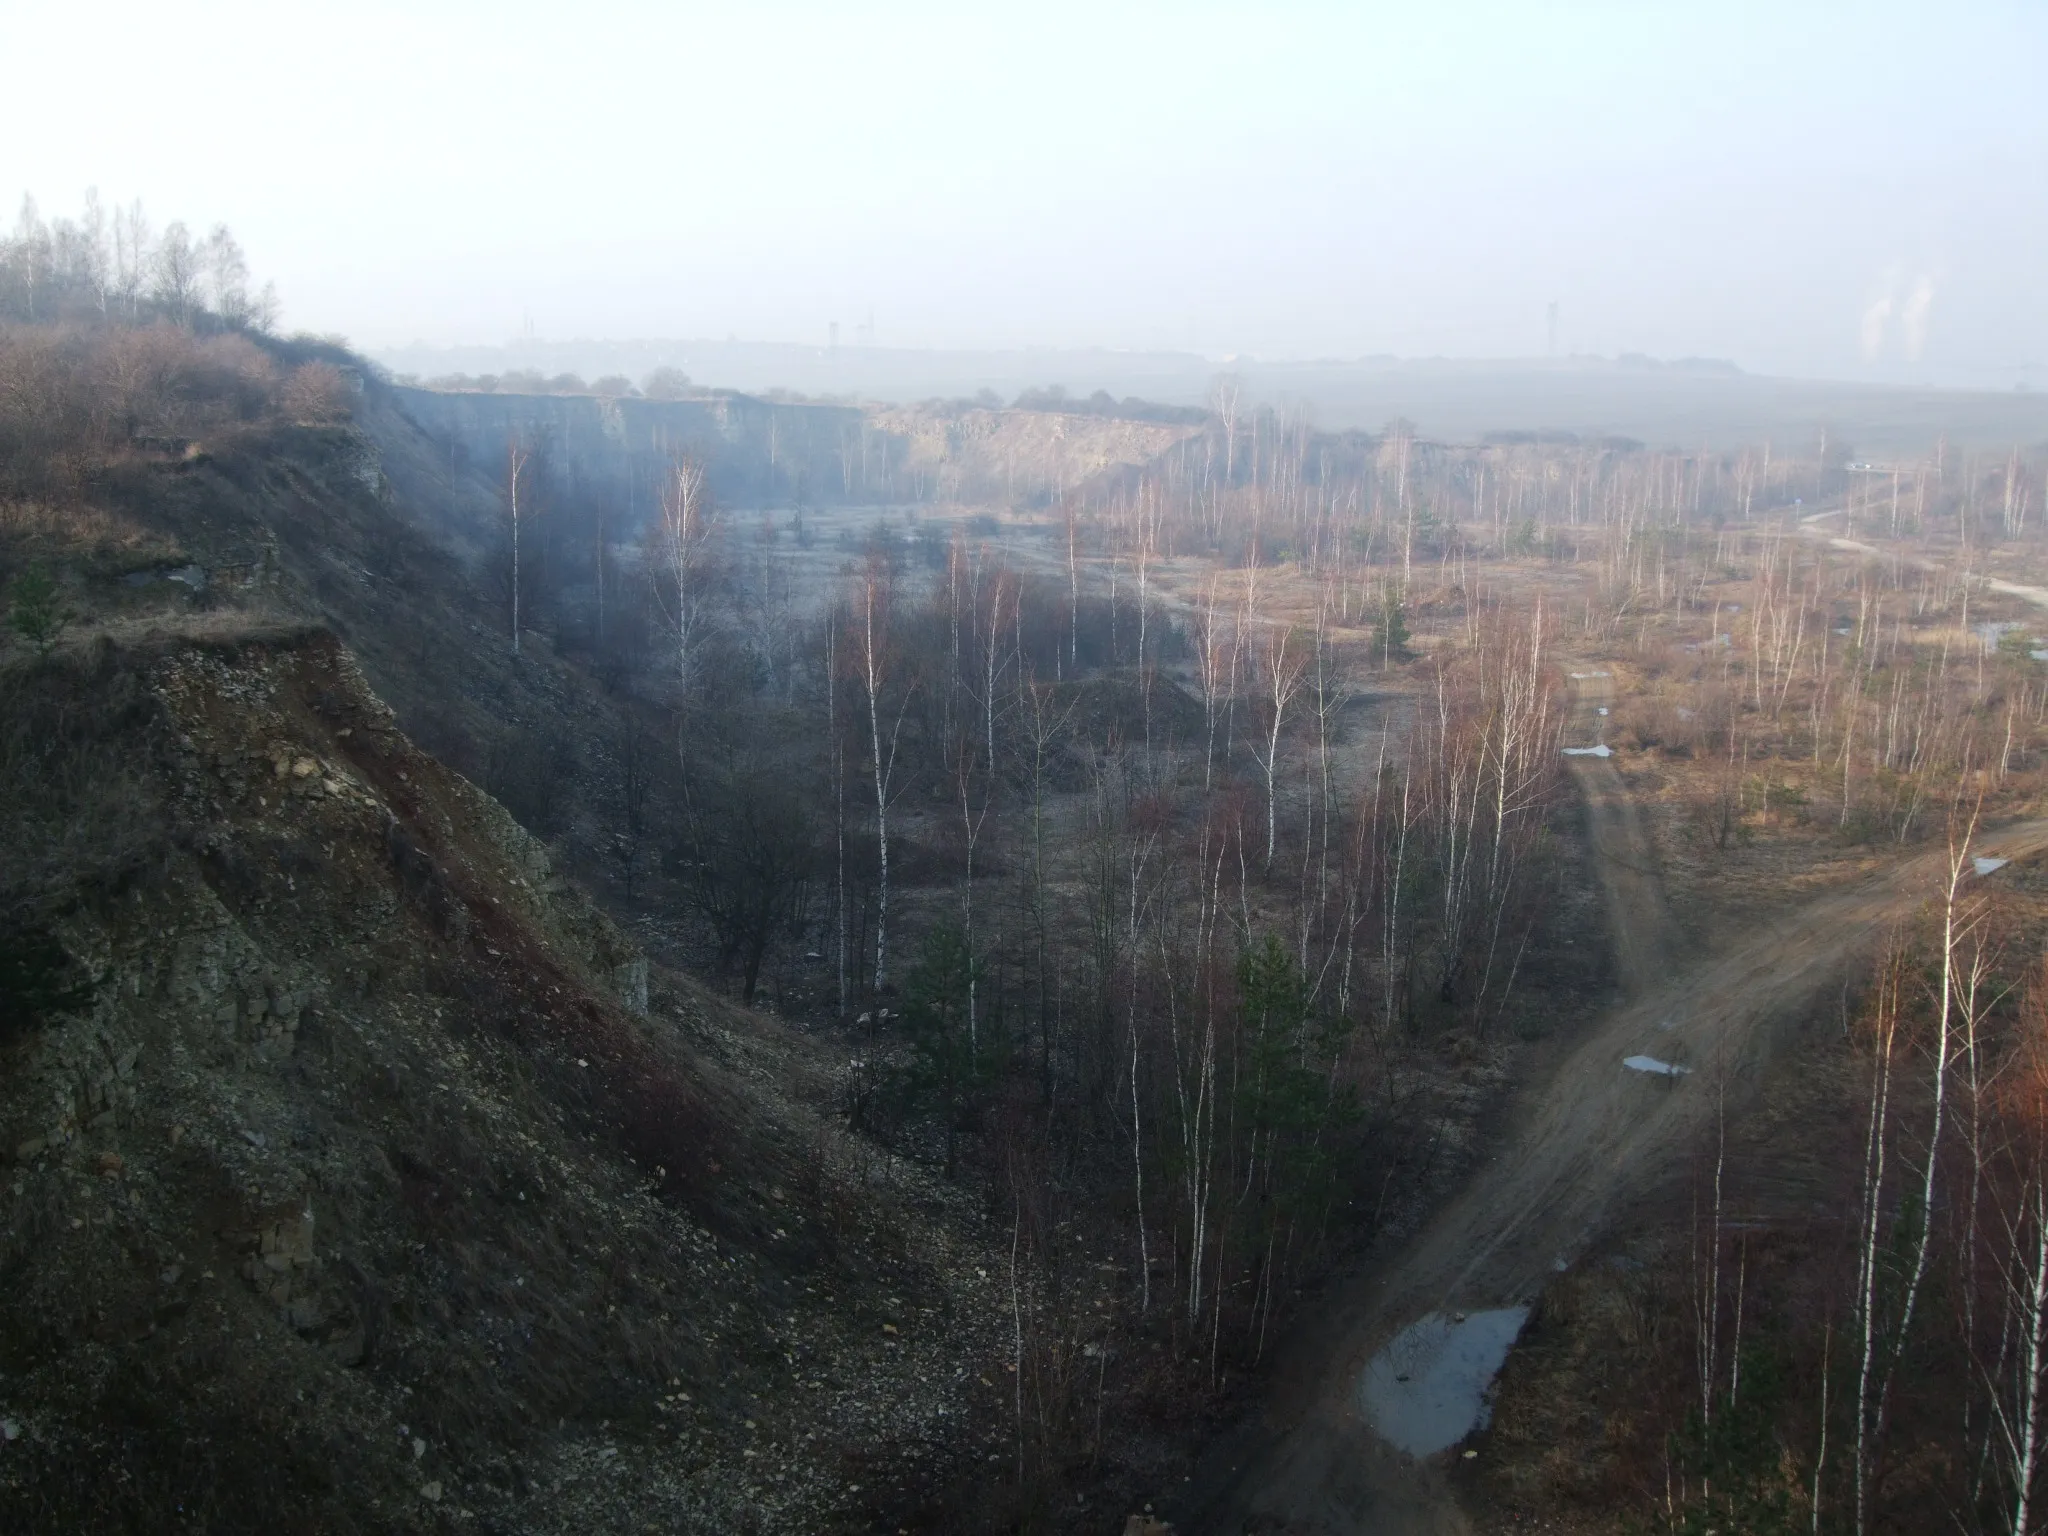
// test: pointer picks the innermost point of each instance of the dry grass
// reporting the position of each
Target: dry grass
(49, 531)
(75, 398)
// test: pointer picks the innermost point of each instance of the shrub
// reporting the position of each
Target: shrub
(317, 394)
(665, 384)
(34, 610)
(1390, 629)
(165, 381)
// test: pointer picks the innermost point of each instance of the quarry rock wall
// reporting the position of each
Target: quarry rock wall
(767, 453)
(756, 452)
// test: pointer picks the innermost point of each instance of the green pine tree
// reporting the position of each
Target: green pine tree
(1390, 631)
(34, 611)
(958, 1055)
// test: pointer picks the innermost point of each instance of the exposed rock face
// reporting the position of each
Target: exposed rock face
(998, 455)
(755, 450)
(761, 452)
(381, 1175)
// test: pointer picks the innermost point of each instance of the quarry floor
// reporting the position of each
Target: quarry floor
(1583, 1138)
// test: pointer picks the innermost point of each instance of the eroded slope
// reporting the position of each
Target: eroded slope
(376, 1186)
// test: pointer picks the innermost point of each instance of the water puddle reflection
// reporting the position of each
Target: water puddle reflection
(1431, 1385)
(1653, 1066)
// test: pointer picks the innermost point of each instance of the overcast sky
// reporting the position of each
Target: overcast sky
(1851, 190)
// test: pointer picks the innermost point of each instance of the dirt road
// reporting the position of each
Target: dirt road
(1639, 924)
(1579, 1143)
(1810, 526)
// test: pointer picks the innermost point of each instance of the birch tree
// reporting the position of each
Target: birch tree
(873, 662)
(518, 457)
(683, 555)
(1282, 663)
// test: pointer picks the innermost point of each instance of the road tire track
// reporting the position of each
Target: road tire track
(1580, 1145)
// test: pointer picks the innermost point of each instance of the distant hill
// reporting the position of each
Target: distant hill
(1690, 402)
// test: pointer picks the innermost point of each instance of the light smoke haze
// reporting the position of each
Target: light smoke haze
(1834, 190)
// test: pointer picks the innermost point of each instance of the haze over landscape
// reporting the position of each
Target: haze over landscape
(1169, 770)
(1782, 186)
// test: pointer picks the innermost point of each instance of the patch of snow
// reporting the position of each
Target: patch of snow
(2039, 655)
(1582, 676)
(1990, 866)
(1653, 1066)
(1603, 709)
(1603, 750)
(1431, 1384)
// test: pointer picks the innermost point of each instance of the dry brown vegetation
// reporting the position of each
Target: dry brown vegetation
(74, 400)
(1149, 899)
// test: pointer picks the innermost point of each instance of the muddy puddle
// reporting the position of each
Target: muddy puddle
(1431, 1384)
(1653, 1066)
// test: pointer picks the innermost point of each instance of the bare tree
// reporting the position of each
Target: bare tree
(682, 554)
(93, 247)
(177, 272)
(32, 254)
(1216, 670)
(1226, 399)
(873, 660)
(750, 852)
(131, 255)
(2017, 1382)
(226, 275)
(518, 456)
(838, 770)
(1282, 664)
(1071, 515)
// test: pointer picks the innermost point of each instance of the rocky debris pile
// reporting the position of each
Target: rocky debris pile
(381, 1168)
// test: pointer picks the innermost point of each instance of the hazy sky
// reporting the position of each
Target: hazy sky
(1850, 189)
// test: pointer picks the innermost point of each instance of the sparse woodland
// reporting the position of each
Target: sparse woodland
(1185, 862)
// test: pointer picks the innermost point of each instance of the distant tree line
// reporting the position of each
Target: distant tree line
(1054, 398)
(667, 383)
(116, 340)
(118, 266)
(660, 384)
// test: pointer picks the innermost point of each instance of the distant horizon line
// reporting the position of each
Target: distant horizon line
(1219, 360)
(1690, 364)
